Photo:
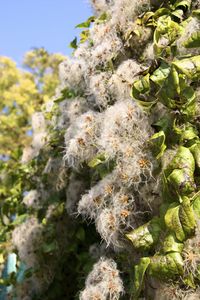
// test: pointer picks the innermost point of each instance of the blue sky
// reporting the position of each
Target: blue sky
(39, 23)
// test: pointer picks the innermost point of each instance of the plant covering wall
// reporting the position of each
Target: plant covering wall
(114, 198)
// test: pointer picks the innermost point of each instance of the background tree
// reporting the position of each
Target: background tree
(22, 92)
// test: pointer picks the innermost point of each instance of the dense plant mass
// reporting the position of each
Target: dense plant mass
(112, 196)
(23, 91)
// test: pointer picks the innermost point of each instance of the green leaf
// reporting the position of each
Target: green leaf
(196, 13)
(80, 234)
(178, 13)
(166, 266)
(195, 149)
(73, 43)
(141, 86)
(166, 33)
(189, 66)
(175, 79)
(66, 94)
(196, 206)
(171, 244)
(140, 90)
(186, 215)
(103, 17)
(189, 108)
(161, 12)
(188, 133)
(182, 160)
(182, 3)
(170, 89)
(166, 124)
(50, 247)
(20, 219)
(146, 105)
(139, 272)
(179, 174)
(160, 74)
(146, 235)
(97, 160)
(193, 41)
(181, 181)
(173, 222)
(84, 35)
(189, 281)
(104, 169)
(159, 145)
(145, 19)
(87, 23)
(102, 164)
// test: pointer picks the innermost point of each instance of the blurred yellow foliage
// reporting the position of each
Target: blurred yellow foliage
(22, 92)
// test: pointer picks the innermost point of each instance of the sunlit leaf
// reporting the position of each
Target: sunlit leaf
(171, 244)
(160, 74)
(139, 272)
(193, 41)
(166, 266)
(73, 43)
(172, 221)
(159, 146)
(182, 3)
(87, 23)
(186, 215)
(146, 235)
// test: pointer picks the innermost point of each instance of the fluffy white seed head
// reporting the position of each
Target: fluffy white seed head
(69, 110)
(100, 31)
(80, 139)
(27, 238)
(123, 124)
(121, 81)
(101, 6)
(83, 52)
(135, 170)
(149, 54)
(103, 281)
(92, 293)
(97, 198)
(71, 73)
(172, 291)
(106, 51)
(124, 207)
(108, 226)
(98, 90)
(125, 11)
(128, 70)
